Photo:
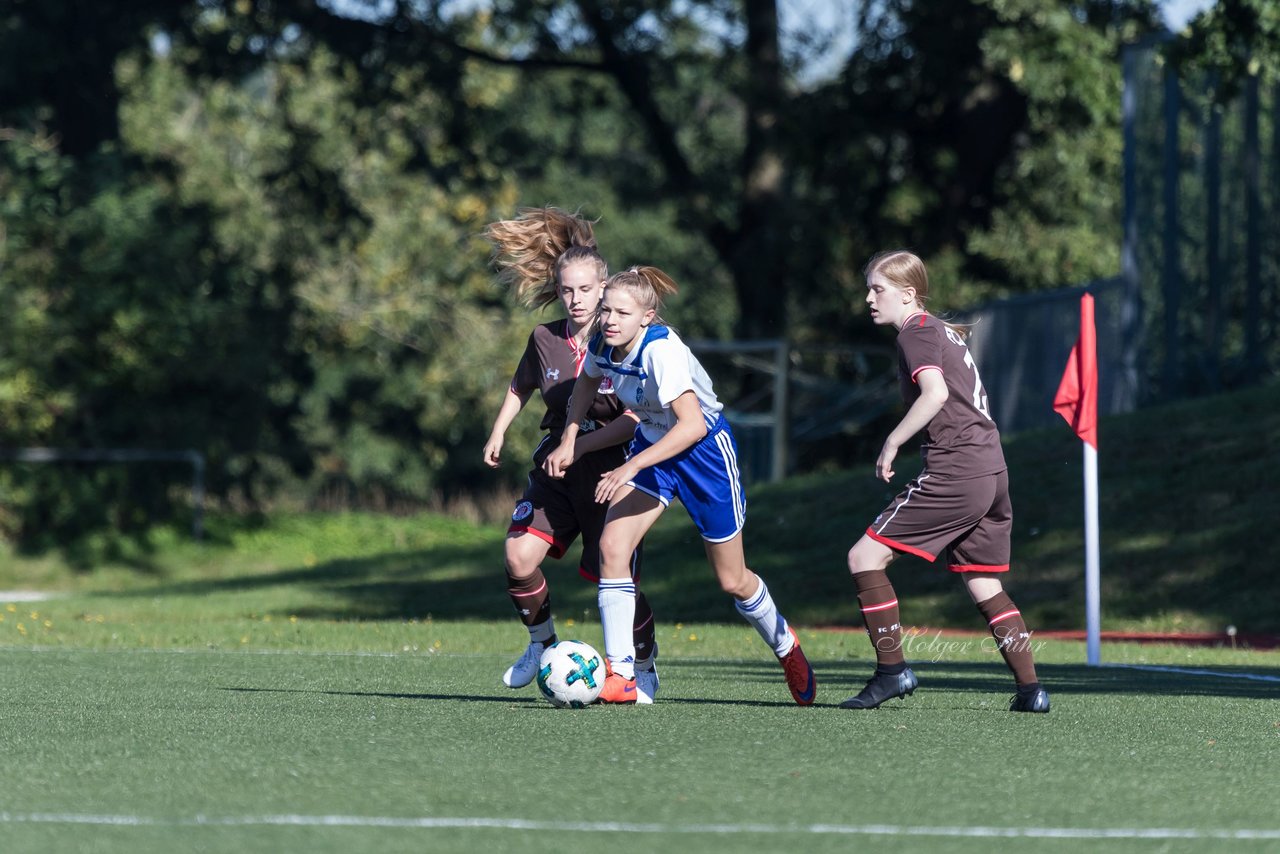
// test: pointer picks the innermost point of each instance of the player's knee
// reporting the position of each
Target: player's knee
(739, 582)
(615, 551)
(732, 586)
(865, 560)
(519, 563)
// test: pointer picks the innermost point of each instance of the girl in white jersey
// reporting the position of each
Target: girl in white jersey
(683, 448)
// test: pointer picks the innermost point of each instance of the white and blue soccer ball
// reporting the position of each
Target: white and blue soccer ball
(571, 674)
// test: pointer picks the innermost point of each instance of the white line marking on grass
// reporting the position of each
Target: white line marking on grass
(1193, 671)
(24, 596)
(317, 653)
(428, 823)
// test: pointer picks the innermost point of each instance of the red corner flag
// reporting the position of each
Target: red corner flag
(1077, 397)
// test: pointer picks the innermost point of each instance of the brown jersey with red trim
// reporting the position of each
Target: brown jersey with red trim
(962, 440)
(550, 364)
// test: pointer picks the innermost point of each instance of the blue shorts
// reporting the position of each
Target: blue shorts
(706, 480)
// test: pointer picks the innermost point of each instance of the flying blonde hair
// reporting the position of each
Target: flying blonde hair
(533, 249)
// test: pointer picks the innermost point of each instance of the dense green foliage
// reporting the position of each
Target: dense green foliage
(250, 228)
(1167, 563)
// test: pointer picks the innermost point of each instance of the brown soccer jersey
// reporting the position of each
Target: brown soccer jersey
(962, 440)
(550, 364)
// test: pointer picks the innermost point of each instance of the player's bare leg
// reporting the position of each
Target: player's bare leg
(631, 515)
(756, 605)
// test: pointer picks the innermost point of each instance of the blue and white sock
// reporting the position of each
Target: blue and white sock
(761, 613)
(617, 600)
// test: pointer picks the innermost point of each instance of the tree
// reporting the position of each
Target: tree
(1231, 40)
(290, 191)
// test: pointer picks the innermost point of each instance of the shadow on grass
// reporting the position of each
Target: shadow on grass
(797, 537)
(468, 698)
(441, 582)
(840, 679)
(1069, 679)
(460, 582)
(846, 678)
(527, 700)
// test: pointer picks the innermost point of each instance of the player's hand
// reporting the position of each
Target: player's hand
(493, 452)
(612, 481)
(884, 463)
(559, 459)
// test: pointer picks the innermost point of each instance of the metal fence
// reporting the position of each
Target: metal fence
(1201, 247)
(1195, 309)
(1021, 347)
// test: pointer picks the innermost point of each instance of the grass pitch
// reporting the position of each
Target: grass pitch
(330, 683)
(271, 750)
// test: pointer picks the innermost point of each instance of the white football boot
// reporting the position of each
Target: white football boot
(523, 671)
(647, 679)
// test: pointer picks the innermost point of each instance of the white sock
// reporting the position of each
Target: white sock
(761, 613)
(543, 632)
(617, 600)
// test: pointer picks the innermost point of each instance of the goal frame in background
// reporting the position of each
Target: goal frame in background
(125, 455)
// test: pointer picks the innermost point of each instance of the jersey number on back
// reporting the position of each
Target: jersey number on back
(979, 393)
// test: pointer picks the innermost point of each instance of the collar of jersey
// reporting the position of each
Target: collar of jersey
(626, 366)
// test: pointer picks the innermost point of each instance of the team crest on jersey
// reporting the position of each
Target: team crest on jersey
(523, 511)
(553, 374)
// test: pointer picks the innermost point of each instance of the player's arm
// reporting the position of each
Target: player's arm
(584, 391)
(684, 434)
(511, 406)
(619, 431)
(933, 394)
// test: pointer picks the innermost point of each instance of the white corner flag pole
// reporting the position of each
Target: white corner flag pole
(1077, 402)
(1092, 594)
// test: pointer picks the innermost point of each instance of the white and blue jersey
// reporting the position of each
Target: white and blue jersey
(705, 476)
(656, 371)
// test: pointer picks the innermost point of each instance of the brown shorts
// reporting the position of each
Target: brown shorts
(558, 511)
(971, 519)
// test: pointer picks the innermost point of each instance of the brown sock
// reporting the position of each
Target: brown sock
(533, 602)
(879, 606)
(642, 629)
(1006, 625)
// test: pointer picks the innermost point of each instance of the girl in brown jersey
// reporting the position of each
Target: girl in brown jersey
(547, 255)
(958, 506)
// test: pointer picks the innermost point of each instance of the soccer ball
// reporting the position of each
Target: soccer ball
(571, 674)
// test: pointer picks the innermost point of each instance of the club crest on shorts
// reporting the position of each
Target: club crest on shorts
(523, 511)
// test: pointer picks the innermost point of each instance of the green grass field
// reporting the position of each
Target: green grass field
(233, 750)
(330, 683)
